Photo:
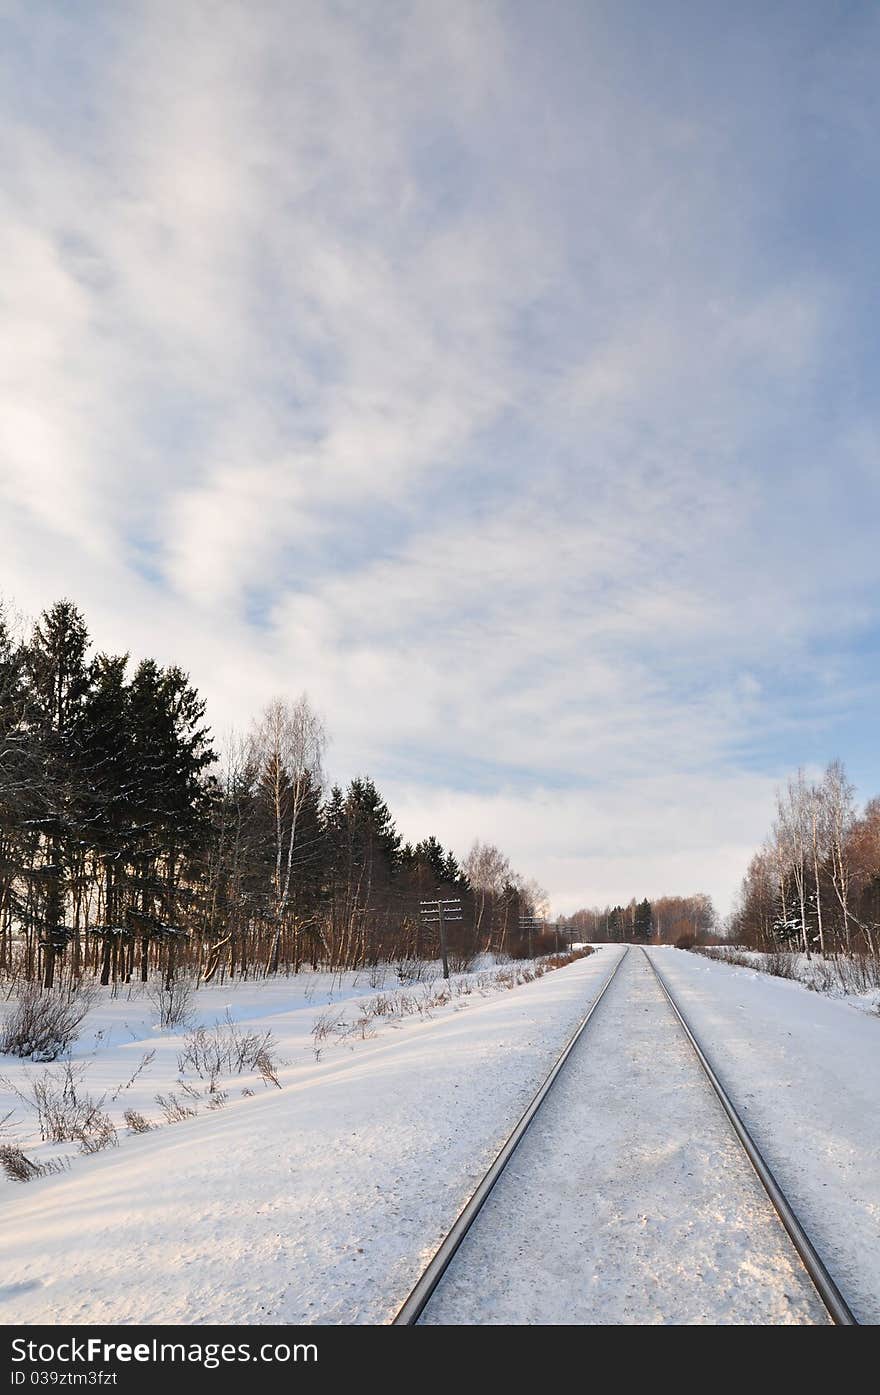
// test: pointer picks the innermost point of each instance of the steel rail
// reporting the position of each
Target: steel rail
(413, 1307)
(823, 1283)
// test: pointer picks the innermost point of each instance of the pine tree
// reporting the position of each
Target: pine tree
(171, 796)
(17, 773)
(429, 854)
(643, 923)
(452, 873)
(59, 685)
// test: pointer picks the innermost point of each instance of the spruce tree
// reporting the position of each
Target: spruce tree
(59, 686)
(643, 923)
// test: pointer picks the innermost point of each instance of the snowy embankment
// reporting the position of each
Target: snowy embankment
(804, 1070)
(855, 981)
(314, 1202)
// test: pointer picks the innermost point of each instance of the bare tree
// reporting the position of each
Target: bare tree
(817, 818)
(487, 870)
(536, 898)
(290, 742)
(838, 799)
(792, 837)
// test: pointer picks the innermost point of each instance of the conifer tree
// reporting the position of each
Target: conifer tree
(59, 684)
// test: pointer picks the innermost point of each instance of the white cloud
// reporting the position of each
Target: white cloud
(337, 351)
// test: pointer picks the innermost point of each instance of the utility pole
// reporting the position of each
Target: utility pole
(529, 923)
(440, 912)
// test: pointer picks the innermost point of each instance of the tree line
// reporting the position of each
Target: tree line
(129, 844)
(814, 885)
(677, 920)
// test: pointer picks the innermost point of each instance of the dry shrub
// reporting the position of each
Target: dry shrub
(225, 1049)
(332, 1024)
(414, 970)
(559, 961)
(42, 1024)
(20, 1168)
(266, 1065)
(146, 1061)
(136, 1122)
(172, 998)
(327, 1024)
(17, 1166)
(175, 1110)
(65, 1112)
(778, 963)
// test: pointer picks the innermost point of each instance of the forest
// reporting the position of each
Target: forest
(676, 920)
(129, 844)
(814, 886)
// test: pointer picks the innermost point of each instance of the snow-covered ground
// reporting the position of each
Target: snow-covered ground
(124, 1059)
(316, 1202)
(321, 1200)
(804, 1070)
(629, 1200)
(854, 981)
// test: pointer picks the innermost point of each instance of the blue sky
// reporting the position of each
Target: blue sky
(502, 375)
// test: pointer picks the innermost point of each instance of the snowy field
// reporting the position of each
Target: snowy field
(852, 980)
(320, 1199)
(315, 1202)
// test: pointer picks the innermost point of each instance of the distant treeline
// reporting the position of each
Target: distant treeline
(677, 920)
(815, 884)
(128, 844)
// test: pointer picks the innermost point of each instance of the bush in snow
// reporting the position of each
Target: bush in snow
(20, 1168)
(172, 998)
(42, 1024)
(17, 1166)
(225, 1049)
(65, 1112)
(136, 1122)
(174, 1109)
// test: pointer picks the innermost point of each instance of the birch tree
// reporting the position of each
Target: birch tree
(838, 798)
(817, 819)
(488, 871)
(290, 743)
(793, 840)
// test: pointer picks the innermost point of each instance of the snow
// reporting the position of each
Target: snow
(841, 978)
(804, 1071)
(321, 1201)
(629, 1199)
(316, 1202)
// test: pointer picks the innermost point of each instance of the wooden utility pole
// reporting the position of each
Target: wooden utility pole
(440, 912)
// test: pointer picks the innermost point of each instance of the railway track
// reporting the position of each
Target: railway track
(822, 1281)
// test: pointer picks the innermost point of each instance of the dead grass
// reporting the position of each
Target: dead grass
(334, 1026)
(66, 1112)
